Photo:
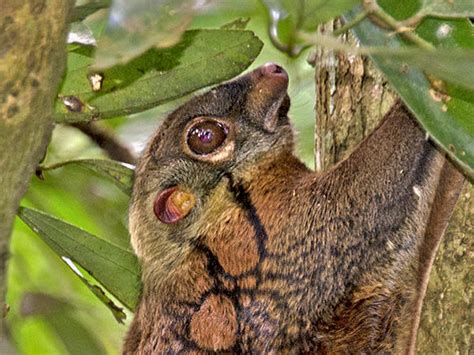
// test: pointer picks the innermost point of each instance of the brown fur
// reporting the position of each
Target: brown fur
(214, 325)
(275, 258)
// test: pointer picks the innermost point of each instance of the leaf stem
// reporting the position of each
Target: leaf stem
(360, 17)
(107, 140)
(332, 42)
(375, 10)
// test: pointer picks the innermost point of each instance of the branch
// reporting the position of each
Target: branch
(374, 9)
(359, 18)
(106, 139)
(33, 55)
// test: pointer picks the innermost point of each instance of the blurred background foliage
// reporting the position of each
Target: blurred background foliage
(52, 311)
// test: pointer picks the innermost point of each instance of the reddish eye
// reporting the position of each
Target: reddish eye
(206, 136)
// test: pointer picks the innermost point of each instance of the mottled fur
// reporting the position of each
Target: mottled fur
(274, 257)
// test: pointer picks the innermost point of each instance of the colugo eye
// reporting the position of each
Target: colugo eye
(206, 136)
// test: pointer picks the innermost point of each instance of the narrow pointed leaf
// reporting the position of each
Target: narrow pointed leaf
(120, 174)
(201, 58)
(115, 268)
(116, 310)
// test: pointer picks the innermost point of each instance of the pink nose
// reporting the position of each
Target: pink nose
(272, 69)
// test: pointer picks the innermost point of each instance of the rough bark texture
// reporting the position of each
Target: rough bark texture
(32, 60)
(448, 317)
(351, 98)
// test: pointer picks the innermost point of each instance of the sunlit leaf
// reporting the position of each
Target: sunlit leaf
(136, 26)
(120, 174)
(448, 8)
(444, 109)
(115, 268)
(202, 58)
(79, 33)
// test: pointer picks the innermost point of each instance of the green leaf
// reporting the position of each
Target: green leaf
(117, 311)
(136, 26)
(76, 337)
(201, 58)
(447, 8)
(60, 315)
(401, 9)
(80, 34)
(237, 24)
(120, 174)
(115, 268)
(444, 110)
(288, 17)
(440, 63)
(315, 12)
(80, 12)
(308, 14)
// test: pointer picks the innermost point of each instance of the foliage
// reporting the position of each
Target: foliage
(202, 58)
(424, 47)
(426, 50)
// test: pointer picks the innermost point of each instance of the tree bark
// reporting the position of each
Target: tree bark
(32, 61)
(448, 316)
(351, 98)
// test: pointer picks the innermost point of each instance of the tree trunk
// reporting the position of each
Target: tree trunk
(32, 60)
(448, 316)
(351, 98)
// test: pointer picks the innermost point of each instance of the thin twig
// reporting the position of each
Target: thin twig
(106, 139)
(332, 42)
(375, 10)
(360, 17)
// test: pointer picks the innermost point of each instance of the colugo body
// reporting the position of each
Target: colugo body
(244, 249)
